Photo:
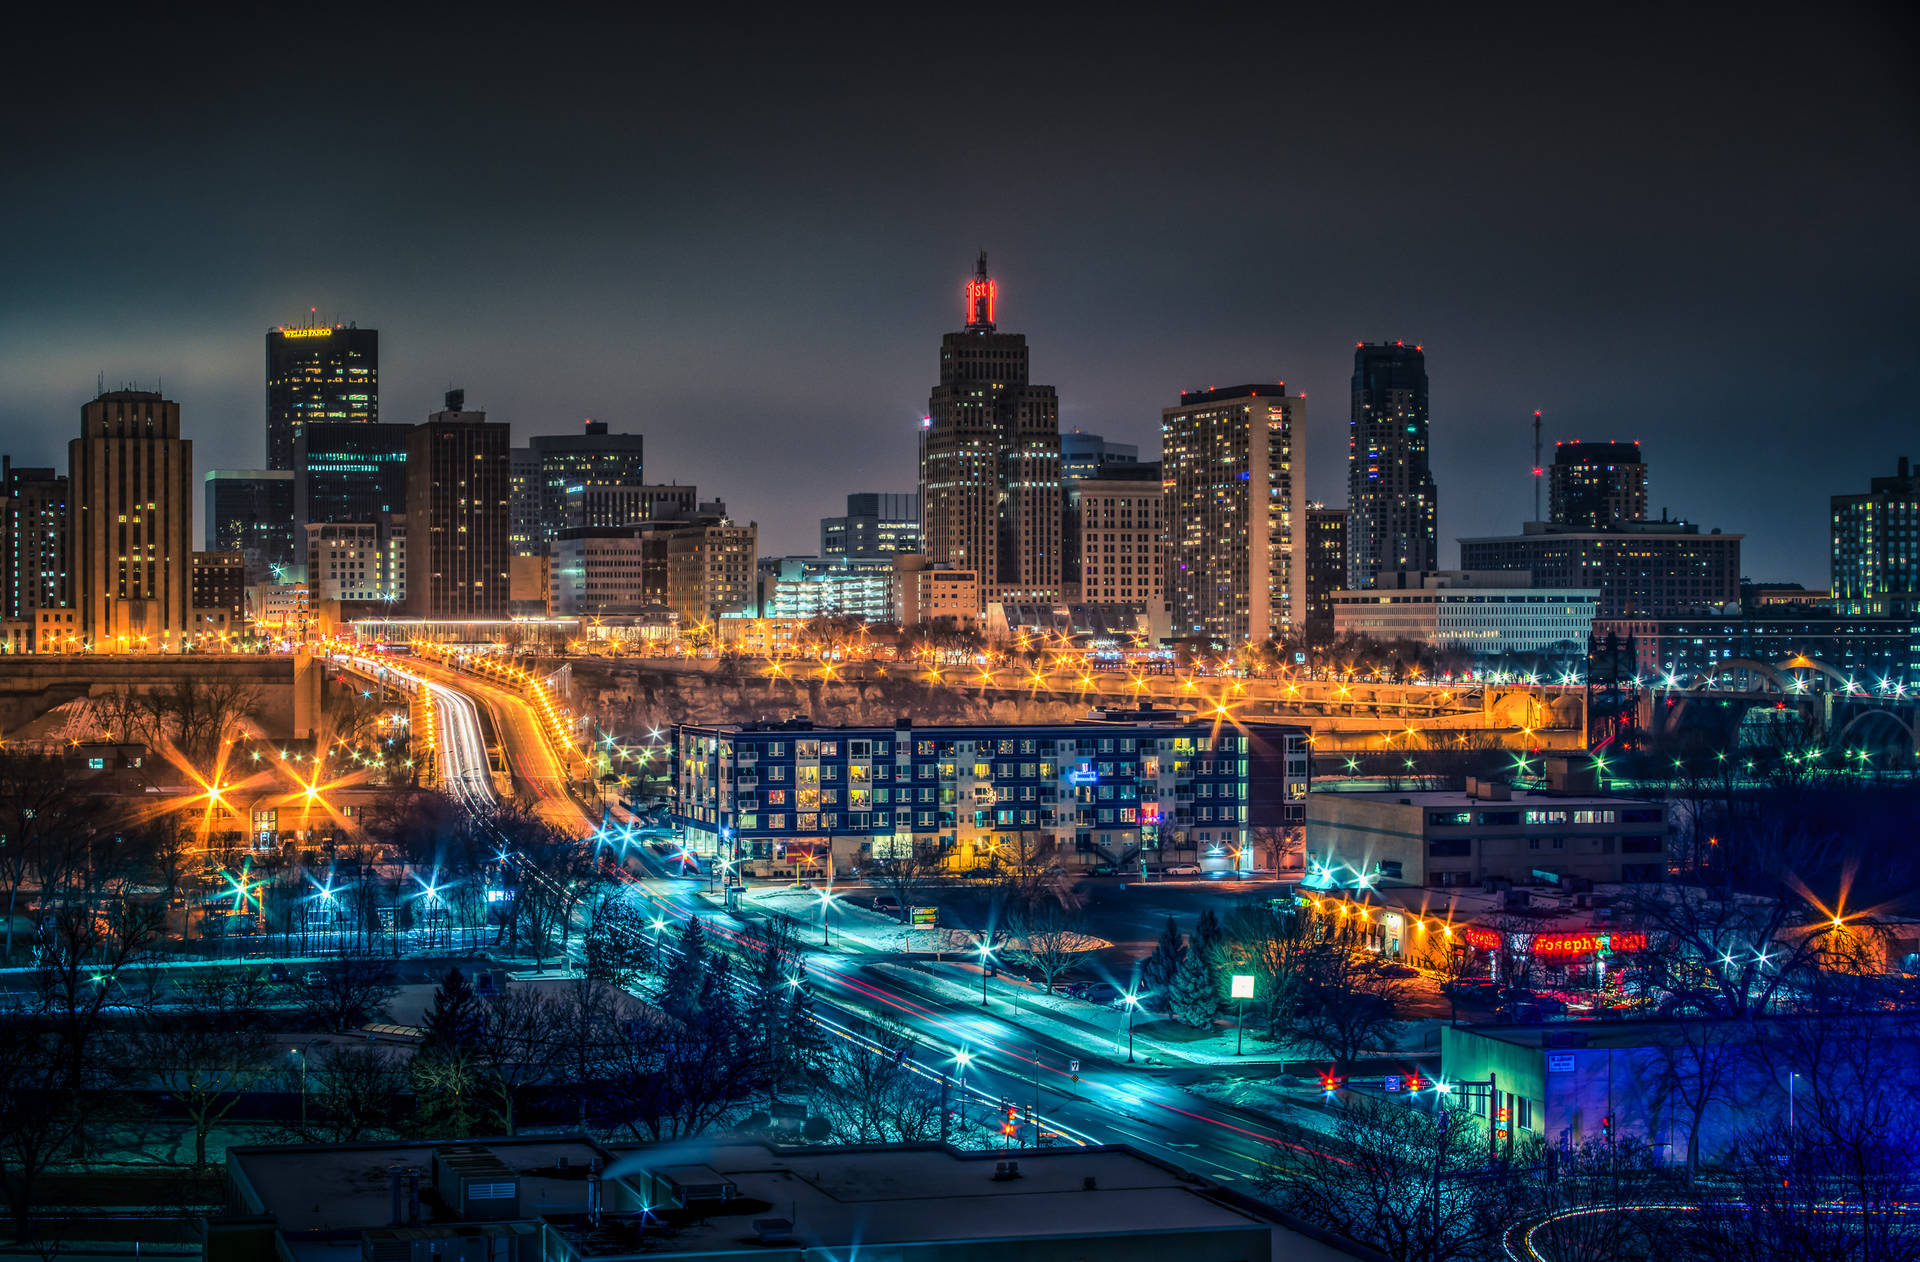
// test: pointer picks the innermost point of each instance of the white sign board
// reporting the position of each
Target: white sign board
(1560, 1063)
(1243, 986)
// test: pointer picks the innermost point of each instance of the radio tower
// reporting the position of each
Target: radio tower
(1538, 471)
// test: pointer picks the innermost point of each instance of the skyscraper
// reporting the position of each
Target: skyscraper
(458, 499)
(1591, 486)
(1391, 501)
(350, 472)
(530, 529)
(990, 460)
(594, 457)
(1090, 456)
(130, 526)
(34, 501)
(877, 524)
(1326, 568)
(250, 511)
(1232, 462)
(318, 375)
(1876, 545)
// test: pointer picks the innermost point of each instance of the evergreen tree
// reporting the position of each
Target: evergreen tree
(718, 1008)
(456, 1019)
(1156, 975)
(680, 992)
(1209, 941)
(1194, 996)
(807, 1050)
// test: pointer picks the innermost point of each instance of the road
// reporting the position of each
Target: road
(460, 744)
(537, 770)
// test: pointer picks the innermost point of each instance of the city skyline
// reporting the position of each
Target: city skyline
(1552, 259)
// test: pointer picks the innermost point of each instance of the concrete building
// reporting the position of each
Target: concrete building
(1326, 568)
(250, 511)
(1450, 838)
(1490, 614)
(526, 535)
(593, 457)
(318, 376)
(1233, 463)
(33, 540)
(604, 570)
(990, 460)
(458, 514)
(1594, 486)
(1653, 569)
(1119, 786)
(357, 561)
(877, 524)
(1115, 534)
(710, 568)
(594, 504)
(130, 526)
(1874, 652)
(1091, 456)
(1392, 502)
(220, 583)
(1876, 546)
(839, 586)
(349, 472)
(925, 594)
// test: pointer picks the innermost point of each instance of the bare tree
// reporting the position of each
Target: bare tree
(874, 1096)
(1697, 1072)
(354, 1093)
(520, 1036)
(207, 1062)
(1049, 939)
(347, 992)
(1276, 846)
(1350, 1004)
(906, 872)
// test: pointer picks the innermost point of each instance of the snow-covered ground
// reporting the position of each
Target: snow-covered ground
(876, 931)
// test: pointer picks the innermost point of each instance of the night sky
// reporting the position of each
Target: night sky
(745, 240)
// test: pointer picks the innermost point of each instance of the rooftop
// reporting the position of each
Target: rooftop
(1460, 799)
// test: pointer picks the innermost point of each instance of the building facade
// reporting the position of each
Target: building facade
(925, 594)
(1393, 506)
(990, 459)
(33, 540)
(1232, 463)
(458, 514)
(876, 524)
(710, 569)
(130, 525)
(1091, 456)
(593, 457)
(250, 511)
(1876, 544)
(1326, 568)
(1873, 652)
(592, 505)
(220, 583)
(1129, 786)
(1593, 486)
(1656, 569)
(357, 561)
(527, 531)
(350, 473)
(1115, 534)
(1489, 614)
(318, 376)
(839, 586)
(598, 571)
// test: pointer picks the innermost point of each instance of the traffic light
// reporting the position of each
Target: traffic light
(1331, 1083)
(1606, 1126)
(1414, 1081)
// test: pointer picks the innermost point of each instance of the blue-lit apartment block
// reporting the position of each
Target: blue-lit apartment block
(1118, 787)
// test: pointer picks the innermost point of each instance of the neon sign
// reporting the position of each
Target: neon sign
(1083, 775)
(980, 298)
(1480, 939)
(306, 332)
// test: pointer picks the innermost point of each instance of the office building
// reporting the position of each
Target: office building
(1114, 537)
(220, 583)
(599, 571)
(357, 561)
(1591, 486)
(1116, 788)
(1449, 838)
(1232, 462)
(1091, 456)
(527, 532)
(1392, 521)
(1875, 652)
(350, 473)
(1490, 614)
(925, 594)
(33, 540)
(458, 514)
(877, 524)
(1649, 569)
(1876, 545)
(837, 586)
(318, 376)
(250, 511)
(990, 459)
(593, 457)
(1326, 568)
(130, 524)
(594, 504)
(710, 569)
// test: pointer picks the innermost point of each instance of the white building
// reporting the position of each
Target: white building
(1488, 613)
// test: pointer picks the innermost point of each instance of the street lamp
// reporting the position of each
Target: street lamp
(1242, 991)
(826, 906)
(1133, 1002)
(986, 955)
(301, 1052)
(1791, 1132)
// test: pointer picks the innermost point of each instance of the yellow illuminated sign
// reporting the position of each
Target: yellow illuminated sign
(306, 332)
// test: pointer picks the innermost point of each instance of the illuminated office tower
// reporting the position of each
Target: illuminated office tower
(315, 376)
(130, 525)
(33, 540)
(458, 514)
(1391, 500)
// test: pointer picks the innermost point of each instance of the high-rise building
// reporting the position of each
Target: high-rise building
(528, 533)
(877, 525)
(594, 457)
(593, 505)
(33, 532)
(990, 459)
(1876, 545)
(349, 473)
(250, 511)
(1232, 462)
(1391, 501)
(130, 525)
(1326, 568)
(1590, 486)
(1115, 535)
(1645, 569)
(458, 503)
(1091, 456)
(710, 569)
(316, 376)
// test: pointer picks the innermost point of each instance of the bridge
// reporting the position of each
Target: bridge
(286, 687)
(1833, 708)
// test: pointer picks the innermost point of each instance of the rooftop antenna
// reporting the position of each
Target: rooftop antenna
(1538, 471)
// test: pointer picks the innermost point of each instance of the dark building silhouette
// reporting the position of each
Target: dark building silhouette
(250, 511)
(316, 376)
(1592, 486)
(1326, 568)
(877, 524)
(1391, 500)
(350, 472)
(990, 460)
(458, 499)
(1876, 546)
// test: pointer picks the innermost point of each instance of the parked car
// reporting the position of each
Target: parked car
(1105, 994)
(980, 874)
(1181, 869)
(1103, 869)
(886, 904)
(1472, 989)
(1398, 970)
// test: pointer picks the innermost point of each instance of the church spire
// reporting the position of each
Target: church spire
(980, 297)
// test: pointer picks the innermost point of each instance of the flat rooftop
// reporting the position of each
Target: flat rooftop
(1460, 799)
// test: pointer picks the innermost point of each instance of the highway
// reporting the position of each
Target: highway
(460, 744)
(537, 770)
